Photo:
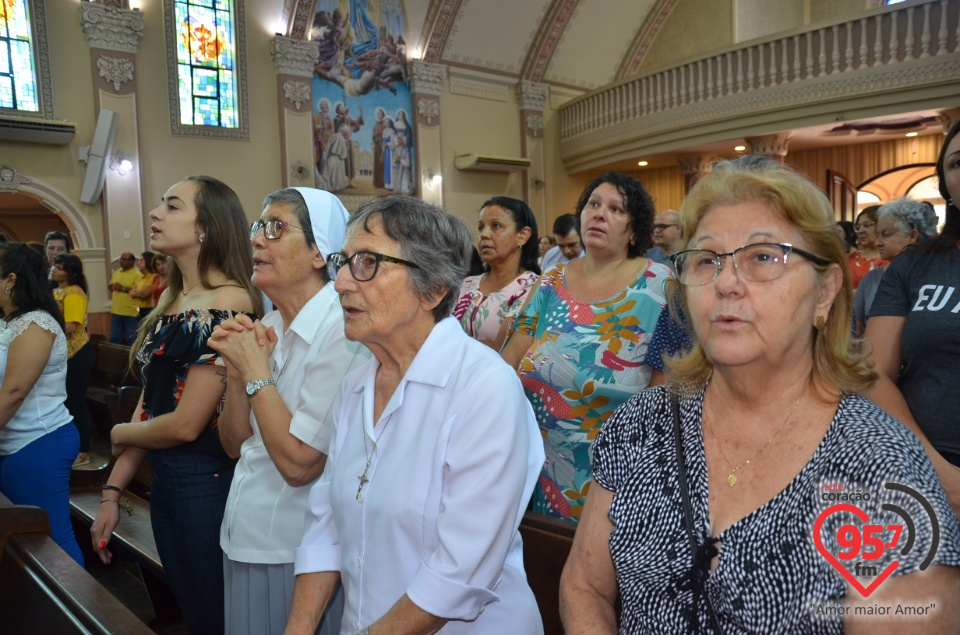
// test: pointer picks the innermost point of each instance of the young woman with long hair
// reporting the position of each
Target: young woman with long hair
(201, 226)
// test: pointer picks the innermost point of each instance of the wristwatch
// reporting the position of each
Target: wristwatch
(254, 386)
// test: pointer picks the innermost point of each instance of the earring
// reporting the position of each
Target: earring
(820, 322)
(7, 290)
(202, 237)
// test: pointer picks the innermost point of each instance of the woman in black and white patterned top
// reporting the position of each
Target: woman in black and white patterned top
(772, 437)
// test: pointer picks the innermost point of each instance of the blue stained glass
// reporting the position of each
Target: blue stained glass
(205, 59)
(18, 78)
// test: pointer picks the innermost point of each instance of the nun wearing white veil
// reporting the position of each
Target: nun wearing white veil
(282, 375)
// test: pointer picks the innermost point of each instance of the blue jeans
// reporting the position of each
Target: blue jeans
(187, 499)
(123, 329)
(39, 474)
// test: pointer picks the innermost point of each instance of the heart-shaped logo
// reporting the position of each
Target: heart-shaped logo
(832, 559)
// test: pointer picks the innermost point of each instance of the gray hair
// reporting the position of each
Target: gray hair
(909, 215)
(438, 242)
(295, 200)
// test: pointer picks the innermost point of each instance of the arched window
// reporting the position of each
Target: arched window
(206, 65)
(24, 67)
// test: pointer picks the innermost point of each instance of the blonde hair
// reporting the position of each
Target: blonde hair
(226, 249)
(838, 358)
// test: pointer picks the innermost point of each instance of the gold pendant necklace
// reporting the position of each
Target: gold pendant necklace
(732, 477)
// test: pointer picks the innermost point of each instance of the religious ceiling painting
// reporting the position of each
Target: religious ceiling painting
(363, 132)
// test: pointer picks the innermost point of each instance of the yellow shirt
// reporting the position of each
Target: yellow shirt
(73, 304)
(146, 284)
(123, 304)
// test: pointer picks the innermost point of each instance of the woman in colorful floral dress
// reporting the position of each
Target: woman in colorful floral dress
(488, 303)
(581, 343)
(200, 224)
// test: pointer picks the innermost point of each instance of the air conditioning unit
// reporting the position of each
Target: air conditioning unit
(31, 130)
(489, 163)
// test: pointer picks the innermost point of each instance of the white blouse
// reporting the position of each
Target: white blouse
(43, 409)
(263, 519)
(452, 464)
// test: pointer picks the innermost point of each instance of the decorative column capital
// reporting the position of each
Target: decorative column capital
(948, 118)
(111, 28)
(771, 145)
(294, 57)
(694, 165)
(427, 78)
(531, 95)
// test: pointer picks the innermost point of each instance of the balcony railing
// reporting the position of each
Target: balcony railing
(919, 40)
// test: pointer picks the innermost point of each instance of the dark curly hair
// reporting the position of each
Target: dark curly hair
(31, 291)
(522, 217)
(73, 267)
(638, 203)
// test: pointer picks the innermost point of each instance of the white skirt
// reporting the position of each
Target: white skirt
(257, 599)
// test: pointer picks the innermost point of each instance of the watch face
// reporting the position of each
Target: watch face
(252, 387)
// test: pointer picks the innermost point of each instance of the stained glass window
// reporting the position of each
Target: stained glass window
(206, 63)
(18, 77)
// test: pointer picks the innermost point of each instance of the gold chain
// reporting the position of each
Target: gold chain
(732, 477)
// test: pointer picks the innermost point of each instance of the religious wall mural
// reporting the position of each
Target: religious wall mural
(363, 133)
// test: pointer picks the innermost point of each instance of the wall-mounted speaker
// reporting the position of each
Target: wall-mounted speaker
(98, 155)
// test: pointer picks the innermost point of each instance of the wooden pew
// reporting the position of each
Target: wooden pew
(43, 590)
(133, 537)
(111, 370)
(546, 545)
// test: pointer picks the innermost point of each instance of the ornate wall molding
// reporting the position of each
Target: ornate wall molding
(547, 38)
(428, 110)
(427, 78)
(483, 90)
(534, 123)
(115, 70)
(10, 179)
(440, 18)
(646, 34)
(294, 57)
(296, 92)
(110, 28)
(531, 95)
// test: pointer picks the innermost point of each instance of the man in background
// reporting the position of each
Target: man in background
(566, 231)
(124, 310)
(666, 237)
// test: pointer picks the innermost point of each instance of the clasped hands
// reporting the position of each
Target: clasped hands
(244, 344)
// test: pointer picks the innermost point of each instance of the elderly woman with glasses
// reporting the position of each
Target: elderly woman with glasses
(435, 450)
(282, 376)
(899, 224)
(713, 507)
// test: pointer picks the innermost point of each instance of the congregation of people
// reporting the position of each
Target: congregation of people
(680, 384)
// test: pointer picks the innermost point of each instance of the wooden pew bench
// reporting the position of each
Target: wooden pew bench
(111, 370)
(546, 545)
(133, 537)
(43, 590)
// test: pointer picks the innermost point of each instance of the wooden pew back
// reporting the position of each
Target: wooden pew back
(546, 545)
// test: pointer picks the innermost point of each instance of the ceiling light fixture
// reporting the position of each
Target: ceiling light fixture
(912, 134)
(642, 164)
(739, 148)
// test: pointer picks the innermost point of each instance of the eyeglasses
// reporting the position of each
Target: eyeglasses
(363, 264)
(759, 262)
(663, 226)
(864, 225)
(272, 229)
